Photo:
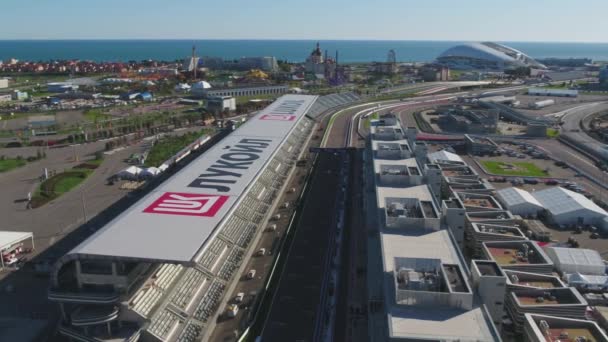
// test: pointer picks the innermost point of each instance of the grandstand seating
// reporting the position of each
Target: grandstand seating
(234, 228)
(216, 250)
(231, 264)
(246, 236)
(327, 102)
(210, 301)
(190, 333)
(163, 324)
(191, 283)
(146, 299)
(166, 274)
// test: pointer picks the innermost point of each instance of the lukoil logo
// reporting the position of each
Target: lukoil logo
(278, 117)
(178, 203)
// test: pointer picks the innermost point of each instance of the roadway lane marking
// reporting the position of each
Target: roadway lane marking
(579, 158)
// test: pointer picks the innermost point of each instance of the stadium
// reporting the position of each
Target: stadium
(486, 56)
(159, 270)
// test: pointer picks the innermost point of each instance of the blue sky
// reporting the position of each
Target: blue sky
(515, 20)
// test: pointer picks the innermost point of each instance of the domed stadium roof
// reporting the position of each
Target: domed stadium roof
(500, 55)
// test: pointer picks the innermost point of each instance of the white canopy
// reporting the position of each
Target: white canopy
(130, 173)
(150, 172)
(8, 239)
(577, 260)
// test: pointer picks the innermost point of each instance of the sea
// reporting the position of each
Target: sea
(349, 51)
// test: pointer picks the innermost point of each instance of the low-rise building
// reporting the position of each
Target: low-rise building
(520, 279)
(480, 145)
(264, 90)
(560, 302)
(542, 328)
(3, 83)
(524, 256)
(469, 121)
(220, 104)
(60, 87)
(490, 281)
(398, 172)
(391, 150)
(478, 233)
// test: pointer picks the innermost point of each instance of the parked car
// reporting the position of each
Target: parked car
(251, 274)
(232, 310)
(239, 297)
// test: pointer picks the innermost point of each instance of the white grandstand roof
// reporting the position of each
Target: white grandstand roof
(174, 221)
(445, 156)
(517, 196)
(558, 200)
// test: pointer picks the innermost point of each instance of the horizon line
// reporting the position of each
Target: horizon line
(302, 39)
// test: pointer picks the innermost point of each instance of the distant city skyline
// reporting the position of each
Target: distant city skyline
(441, 20)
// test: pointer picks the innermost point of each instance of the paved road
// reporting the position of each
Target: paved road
(572, 128)
(295, 306)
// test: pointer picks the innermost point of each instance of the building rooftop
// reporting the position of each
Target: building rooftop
(444, 156)
(544, 297)
(445, 324)
(480, 201)
(535, 280)
(409, 164)
(498, 229)
(488, 268)
(420, 192)
(553, 329)
(507, 253)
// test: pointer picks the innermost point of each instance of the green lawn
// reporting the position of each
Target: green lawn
(245, 99)
(368, 120)
(552, 132)
(9, 164)
(168, 147)
(524, 169)
(95, 115)
(58, 185)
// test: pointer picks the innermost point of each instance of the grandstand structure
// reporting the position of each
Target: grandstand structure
(159, 270)
(332, 101)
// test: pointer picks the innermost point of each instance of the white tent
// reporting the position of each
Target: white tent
(519, 202)
(132, 172)
(444, 156)
(577, 260)
(150, 172)
(587, 281)
(568, 207)
(11, 240)
(182, 87)
(201, 85)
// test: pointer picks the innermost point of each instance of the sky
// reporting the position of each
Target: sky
(514, 20)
